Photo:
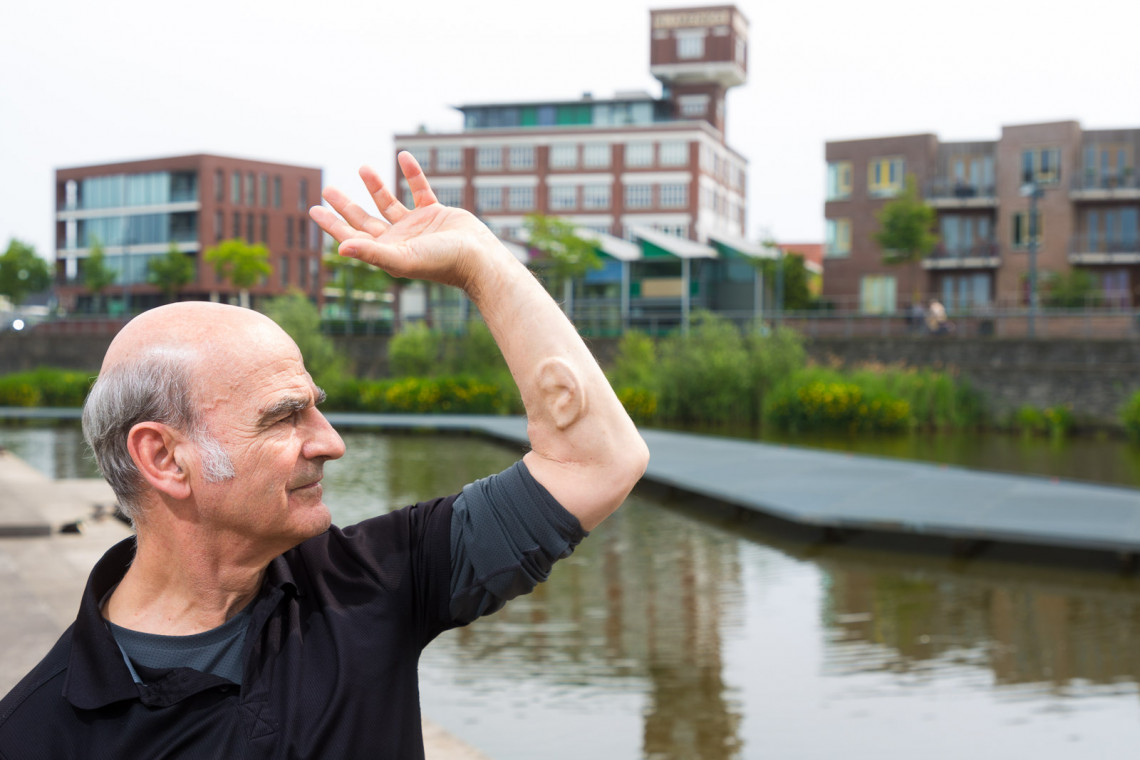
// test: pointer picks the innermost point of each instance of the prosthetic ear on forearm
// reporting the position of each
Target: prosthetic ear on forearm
(563, 397)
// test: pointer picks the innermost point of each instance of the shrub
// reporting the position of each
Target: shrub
(640, 403)
(704, 376)
(809, 402)
(473, 353)
(1029, 419)
(1130, 416)
(1056, 421)
(18, 390)
(443, 395)
(45, 387)
(415, 351)
(636, 362)
(773, 357)
(937, 400)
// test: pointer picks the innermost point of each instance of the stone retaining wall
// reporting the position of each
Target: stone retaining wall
(1093, 377)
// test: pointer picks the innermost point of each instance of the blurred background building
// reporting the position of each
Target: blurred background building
(137, 211)
(1080, 186)
(650, 179)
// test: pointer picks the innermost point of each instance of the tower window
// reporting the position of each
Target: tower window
(691, 44)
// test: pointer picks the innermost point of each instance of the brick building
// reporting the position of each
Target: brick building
(1088, 207)
(652, 171)
(137, 209)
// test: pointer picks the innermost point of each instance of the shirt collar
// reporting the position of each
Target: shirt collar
(97, 675)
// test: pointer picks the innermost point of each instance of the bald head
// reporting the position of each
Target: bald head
(192, 329)
(164, 366)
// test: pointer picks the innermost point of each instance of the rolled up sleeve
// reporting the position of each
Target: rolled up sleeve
(507, 532)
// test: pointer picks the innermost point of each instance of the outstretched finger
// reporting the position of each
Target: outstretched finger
(387, 204)
(353, 213)
(333, 224)
(422, 194)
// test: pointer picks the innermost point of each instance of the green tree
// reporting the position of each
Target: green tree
(1073, 289)
(354, 278)
(791, 266)
(240, 263)
(568, 257)
(297, 315)
(906, 230)
(414, 351)
(171, 273)
(97, 276)
(22, 272)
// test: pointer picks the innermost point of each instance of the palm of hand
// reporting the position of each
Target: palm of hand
(431, 242)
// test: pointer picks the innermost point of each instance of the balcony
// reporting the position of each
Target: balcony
(946, 193)
(983, 254)
(1095, 185)
(1097, 249)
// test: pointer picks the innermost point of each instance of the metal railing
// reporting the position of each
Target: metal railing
(978, 249)
(1103, 244)
(942, 188)
(1094, 179)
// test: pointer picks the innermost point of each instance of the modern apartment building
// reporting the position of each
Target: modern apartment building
(1087, 208)
(137, 209)
(654, 171)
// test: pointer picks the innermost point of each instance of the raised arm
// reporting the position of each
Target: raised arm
(584, 448)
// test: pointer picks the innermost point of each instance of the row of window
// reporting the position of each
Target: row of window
(514, 232)
(136, 229)
(591, 197)
(1041, 166)
(117, 190)
(884, 178)
(251, 189)
(601, 114)
(963, 291)
(642, 154)
(300, 232)
(588, 197)
(722, 168)
(963, 233)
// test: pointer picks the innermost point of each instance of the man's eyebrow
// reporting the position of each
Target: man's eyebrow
(289, 405)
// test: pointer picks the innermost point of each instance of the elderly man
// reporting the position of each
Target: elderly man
(237, 622)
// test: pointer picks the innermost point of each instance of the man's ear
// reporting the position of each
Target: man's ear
(154, 449)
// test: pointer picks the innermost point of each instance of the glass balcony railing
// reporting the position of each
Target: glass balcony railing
(943, 188)
(982, 249)
(1093, 179)
(1103, 244)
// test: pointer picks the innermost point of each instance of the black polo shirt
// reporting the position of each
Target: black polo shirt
(330, 658)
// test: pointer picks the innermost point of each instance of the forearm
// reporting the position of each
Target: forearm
(585, 449)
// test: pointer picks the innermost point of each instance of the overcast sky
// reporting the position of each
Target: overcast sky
(329, 84)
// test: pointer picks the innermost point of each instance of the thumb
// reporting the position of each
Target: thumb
(382, 256)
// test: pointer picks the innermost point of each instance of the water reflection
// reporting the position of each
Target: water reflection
(1023, 625)
(671, 636)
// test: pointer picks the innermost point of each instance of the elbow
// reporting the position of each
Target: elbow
(630, 463)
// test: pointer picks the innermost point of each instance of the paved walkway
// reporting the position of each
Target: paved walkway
(853, 493)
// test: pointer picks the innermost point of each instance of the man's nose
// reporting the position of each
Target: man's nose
(324, 442)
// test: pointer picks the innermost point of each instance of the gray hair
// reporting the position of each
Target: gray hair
(154, 386)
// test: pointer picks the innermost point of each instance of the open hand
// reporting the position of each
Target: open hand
(430, 242)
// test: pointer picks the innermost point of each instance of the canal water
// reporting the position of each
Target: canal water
(667, 635)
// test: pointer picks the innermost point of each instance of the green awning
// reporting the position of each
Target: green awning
(608, 245)
(658, 245)
(730, 246)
